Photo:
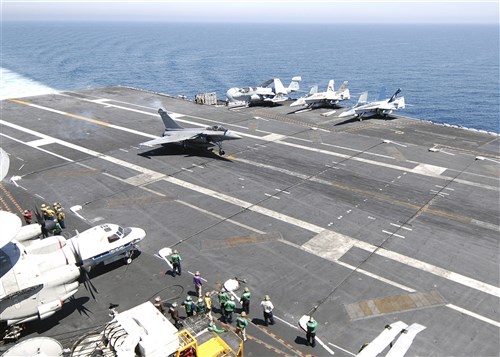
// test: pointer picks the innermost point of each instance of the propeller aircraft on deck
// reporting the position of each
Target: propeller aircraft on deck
(38, 275)
(271, 91)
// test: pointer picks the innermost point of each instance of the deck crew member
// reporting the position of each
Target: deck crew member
(241, 325)
(311, 325)
(229, 307)
(175, 260)
(267, 307)
(245, 300)
(198, 283)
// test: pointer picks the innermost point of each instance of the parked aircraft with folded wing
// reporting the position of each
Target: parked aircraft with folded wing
(382, 107)
(324, 99)
(271, 91)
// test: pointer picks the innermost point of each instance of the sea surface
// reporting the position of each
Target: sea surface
(449, 74)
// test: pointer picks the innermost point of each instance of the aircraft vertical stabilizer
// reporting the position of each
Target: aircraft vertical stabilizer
(342, 87)
(363, 98)
(168, 121)
(330, 86)
(278, 87)
(294, 84)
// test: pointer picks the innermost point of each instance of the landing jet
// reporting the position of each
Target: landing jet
(324, 99)
(382, 107)
(38, 275)
(271, 91)
(200, 138)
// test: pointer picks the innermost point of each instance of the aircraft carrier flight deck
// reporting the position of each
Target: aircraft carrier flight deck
(358, 223)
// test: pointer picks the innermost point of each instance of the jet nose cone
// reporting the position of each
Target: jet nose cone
(346, 113)
(231, 135)
(298, 102)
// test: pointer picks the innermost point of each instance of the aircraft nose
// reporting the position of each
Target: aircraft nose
(231, 135)
(345, 114)
(298, 102)
(232, 93)
(136, 233)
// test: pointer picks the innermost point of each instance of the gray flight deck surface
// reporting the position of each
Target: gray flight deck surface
(360, 219)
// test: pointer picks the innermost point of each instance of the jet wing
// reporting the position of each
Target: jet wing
(172, 137)
(266, 83)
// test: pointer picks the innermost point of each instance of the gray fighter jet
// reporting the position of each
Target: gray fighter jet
(195, 137)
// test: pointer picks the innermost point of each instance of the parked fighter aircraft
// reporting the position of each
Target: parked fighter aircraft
(382, 107)
(271, 90)
(38, 275)
(201, 138)
(329, 98)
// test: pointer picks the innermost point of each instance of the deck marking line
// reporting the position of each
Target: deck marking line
(463, 280)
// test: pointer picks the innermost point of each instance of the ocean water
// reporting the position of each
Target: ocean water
(448, 73)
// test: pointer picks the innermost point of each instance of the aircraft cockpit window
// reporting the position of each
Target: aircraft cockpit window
(218, 128)
(116, 236)
(245, 90)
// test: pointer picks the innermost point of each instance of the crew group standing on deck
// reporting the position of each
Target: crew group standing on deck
(202, 306)
(54, 213)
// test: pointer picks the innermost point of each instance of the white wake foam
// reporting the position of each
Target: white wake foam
(14, 85)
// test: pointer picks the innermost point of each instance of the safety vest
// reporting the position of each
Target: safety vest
(201, 307)
(245, 297)
(223, 297)
(311, 326)
(175, 258)
(230, 306)
(188, 305)
(241, 322)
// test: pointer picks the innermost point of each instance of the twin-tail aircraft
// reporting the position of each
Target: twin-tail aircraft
(330, 98)
(191, 137)
(382, 107)
(271, 91)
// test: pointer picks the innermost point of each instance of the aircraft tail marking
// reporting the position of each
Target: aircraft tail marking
(330, 86)
(294, 84)
(168, 121)
(342, 87)
(393, 98)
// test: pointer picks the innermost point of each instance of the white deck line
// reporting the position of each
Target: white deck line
(440, 272)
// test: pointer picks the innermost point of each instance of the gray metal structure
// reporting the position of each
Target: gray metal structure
(361, 224)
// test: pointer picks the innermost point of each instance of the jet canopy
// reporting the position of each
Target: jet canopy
(217, 128)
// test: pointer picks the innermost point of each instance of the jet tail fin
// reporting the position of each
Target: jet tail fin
(314, 89)
(330, 86)
(393, 98)
(278, 87)
(342, 87)
(363, 98)
(294, 84)
(168, 121)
